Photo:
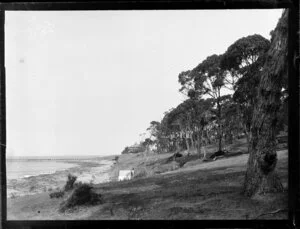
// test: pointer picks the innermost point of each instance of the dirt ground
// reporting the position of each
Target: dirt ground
(199, 190)
(207, 191)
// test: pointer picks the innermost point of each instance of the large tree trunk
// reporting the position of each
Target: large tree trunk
(248, 134)
(261, 176)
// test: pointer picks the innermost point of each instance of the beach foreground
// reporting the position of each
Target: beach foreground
(163, 189)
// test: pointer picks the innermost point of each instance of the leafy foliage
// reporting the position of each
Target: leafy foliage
(209, 113)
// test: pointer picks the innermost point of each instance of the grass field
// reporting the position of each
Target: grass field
(167, 190)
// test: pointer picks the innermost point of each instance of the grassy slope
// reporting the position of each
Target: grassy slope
(197, 190)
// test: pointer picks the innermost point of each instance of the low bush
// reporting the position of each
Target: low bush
(218, 153)
(13, 195)
(139, 173)
(183, 160)
(70, 182)
(81, 195)
(77, 184)
(58, 194)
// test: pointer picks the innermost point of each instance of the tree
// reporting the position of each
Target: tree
(243, 62)
(241, 56)
(155, 131)
(209, 77)
(147, 143)
(231, 121)
(169, 139)
(261, 176)
(186, 81)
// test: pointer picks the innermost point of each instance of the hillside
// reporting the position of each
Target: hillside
(197, 190)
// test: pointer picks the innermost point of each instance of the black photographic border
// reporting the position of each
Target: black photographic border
(293, 128)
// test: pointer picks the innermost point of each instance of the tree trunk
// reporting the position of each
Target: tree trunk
(248, 140)
(187, 143)
(203, 149)
(199, 142)
(261, 176)
(177, 144)
(220, 139)
(192, 142)
(230, 138)
(219, 125)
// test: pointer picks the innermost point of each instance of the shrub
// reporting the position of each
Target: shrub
(13, 195)
(58, 194)
(81, 195)
(70, 182)
(77, 184)
(141, 172)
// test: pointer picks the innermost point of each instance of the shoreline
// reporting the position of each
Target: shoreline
(192, 192)
(87, 171)
(185, 188)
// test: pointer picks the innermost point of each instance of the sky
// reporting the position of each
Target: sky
(90, 82)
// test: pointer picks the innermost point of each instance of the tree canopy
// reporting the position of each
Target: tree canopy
(227, 96)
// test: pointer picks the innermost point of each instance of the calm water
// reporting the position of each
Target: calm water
(17, 169)
(23, 175)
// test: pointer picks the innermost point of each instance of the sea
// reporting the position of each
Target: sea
(18, 169)
(32, 175)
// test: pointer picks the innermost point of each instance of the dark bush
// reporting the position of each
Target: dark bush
(77, 184)
(218, 154)
(82, 195)
(58, 194)
(70, 182)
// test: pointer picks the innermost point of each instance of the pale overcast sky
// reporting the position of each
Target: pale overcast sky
(90, 82)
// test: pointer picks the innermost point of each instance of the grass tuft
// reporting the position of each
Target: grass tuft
(58, 194)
